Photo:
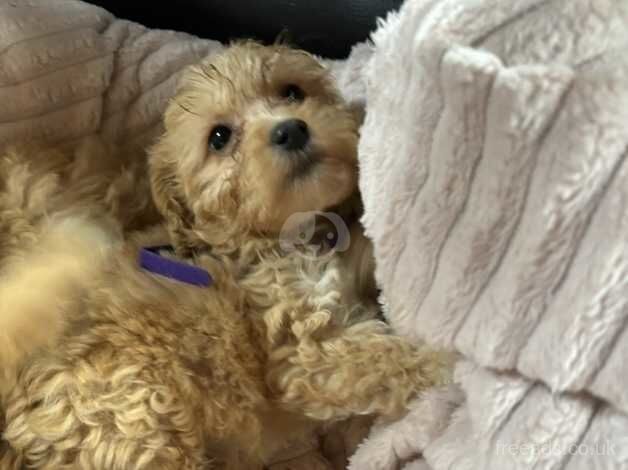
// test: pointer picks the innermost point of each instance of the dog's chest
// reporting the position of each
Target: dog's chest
(293, 280)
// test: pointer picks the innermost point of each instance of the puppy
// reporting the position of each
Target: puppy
(150, 372)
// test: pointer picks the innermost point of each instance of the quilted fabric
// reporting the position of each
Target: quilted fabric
(69, 69)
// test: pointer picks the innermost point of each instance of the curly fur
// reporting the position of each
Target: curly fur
(134, 371)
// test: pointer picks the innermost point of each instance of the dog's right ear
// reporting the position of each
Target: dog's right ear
(169, 198)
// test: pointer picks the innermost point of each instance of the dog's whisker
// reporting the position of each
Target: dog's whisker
(187, 110)
(221, 75)
(265, 70)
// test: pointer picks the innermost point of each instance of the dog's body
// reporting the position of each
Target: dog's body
(138, 371)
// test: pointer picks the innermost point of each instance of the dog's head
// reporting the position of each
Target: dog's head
(253, 135)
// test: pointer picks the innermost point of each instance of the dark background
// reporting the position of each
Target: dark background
(325, 27)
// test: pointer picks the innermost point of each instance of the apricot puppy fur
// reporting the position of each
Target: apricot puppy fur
(143, 372)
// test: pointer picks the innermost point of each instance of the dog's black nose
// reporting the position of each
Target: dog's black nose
(291, 134)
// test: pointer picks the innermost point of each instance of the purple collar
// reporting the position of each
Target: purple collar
(152, 261)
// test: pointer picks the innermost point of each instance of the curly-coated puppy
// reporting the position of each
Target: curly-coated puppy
(142, 371)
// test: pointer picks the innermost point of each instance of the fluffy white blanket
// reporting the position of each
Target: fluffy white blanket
(495, 181)
(496, 191)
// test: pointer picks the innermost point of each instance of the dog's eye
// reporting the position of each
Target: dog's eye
(293, 93)
(219, 137)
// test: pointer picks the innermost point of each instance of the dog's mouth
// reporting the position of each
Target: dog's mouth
(307, 154)
(302, 163)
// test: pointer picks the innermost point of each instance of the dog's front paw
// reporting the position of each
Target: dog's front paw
(360, 370)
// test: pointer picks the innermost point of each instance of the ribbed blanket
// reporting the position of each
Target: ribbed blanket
(495, 183)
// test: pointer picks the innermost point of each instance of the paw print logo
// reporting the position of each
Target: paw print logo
(314, 234)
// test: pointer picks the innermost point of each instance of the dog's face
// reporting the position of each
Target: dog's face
(253, 136)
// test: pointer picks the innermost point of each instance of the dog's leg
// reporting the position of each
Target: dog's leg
(359, 370)
(39, 287)
(73, 417)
